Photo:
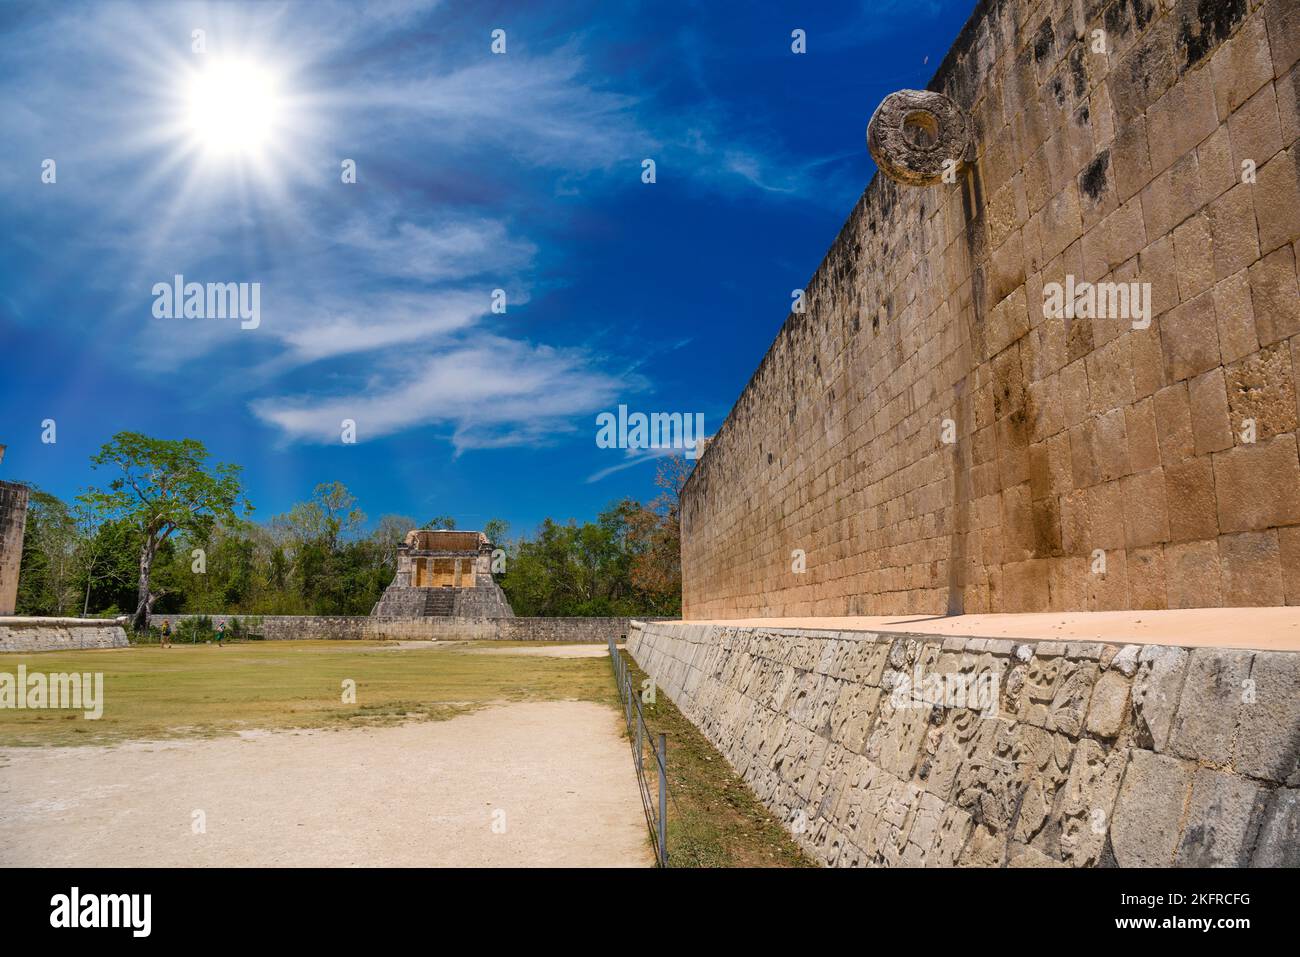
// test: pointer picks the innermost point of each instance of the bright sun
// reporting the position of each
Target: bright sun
(233, 107)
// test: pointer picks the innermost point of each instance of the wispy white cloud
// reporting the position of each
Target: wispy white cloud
(454, 250)
(633, 457)
(488, 392)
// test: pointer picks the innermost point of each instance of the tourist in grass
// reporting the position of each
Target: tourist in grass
(166, 633)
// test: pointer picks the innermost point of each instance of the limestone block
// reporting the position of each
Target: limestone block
(1145, 829)
(1258, 486)
(1126, 660)
(1268, 737)
(1261, 388)
(1109, 705)
(1155, 693)
(1220, 816)
(1278, 844)
(1211, 700)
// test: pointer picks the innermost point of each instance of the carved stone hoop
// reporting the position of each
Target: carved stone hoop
(913, 133)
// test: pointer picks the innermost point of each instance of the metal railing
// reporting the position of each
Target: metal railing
(656, 812)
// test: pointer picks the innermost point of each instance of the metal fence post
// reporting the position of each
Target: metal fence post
(663, 798)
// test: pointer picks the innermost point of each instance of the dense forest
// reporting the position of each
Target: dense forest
(169, 532)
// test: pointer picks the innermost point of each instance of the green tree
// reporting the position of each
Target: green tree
(165, 486)
(496, 530)
(46, 583)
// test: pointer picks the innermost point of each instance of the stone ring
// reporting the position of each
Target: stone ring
(914, 133)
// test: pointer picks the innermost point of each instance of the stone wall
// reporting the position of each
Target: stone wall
(13, 520)
(356, 627)
(1098, 754)
(1073, 439)
(59, 634)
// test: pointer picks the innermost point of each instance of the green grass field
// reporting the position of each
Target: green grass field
(152, 693)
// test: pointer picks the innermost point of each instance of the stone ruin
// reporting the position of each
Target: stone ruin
(929, 435)
(444, 574)
(927, 438)
(13, 522)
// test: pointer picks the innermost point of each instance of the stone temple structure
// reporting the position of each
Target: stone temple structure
(444, 574)
(13, 521)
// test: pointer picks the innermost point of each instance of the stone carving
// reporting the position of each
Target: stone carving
(1069, 779)
(915, 135)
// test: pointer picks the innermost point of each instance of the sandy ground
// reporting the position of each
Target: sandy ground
(1263, 629)
(586, 650)
(412, 795)
(548, 651)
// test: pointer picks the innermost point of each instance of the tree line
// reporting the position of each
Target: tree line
(168, 532)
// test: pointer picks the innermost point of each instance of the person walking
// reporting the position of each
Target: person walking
(221, 633)
(166, 633)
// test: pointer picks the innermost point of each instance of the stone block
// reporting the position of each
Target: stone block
(1278, 844)
(1275, 296)
(1250, 564)
(1235, 316)
(1148, 813)
(1268, 736)
(1232, 222)
(1258, 486)
(1189, 490)
(1277, 200)
(1221, 814)
(1109, 705)
(1155, 692)
(1189, 338)
(1208, 398)
(1211, 699)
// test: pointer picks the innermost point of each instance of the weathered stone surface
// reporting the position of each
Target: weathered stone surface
(1088, 801)
(1278, 844)
(1109, 705)
(1223, 808)
(1155, 760)
(371, 628)
(60, 634)
(1067, 434)
(914, 134)
(1145, 829)
(443, 573)
(1155, 693)
(1210, 703)
(13, 521)
(1268, 738)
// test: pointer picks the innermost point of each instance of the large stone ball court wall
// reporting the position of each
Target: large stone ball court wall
(1170, 451)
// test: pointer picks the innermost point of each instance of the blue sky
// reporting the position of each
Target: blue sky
(475, 171)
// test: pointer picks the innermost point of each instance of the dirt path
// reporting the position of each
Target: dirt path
(543, 651)
(559, 774)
